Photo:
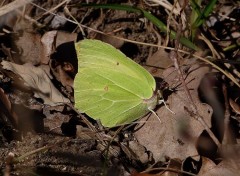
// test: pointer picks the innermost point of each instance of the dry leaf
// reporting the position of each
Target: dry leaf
(39, 80)
(28, 48)
(136, 151)
(6, 108)
(176, 135)
(63, 37)
(225, 168)
(48, 43)
(13, 6)
(161, 60)
(234, 106)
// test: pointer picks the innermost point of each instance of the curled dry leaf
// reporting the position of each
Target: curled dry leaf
(48, 43)
(61, 75)
(136, 151)
(175, 164)
(226, 167)
(39, 80)
(63, 37)
(235, 106)
(6, 108)
(177, 133)
(62, 65)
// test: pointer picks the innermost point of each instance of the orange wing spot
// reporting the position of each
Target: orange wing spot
(106, 88)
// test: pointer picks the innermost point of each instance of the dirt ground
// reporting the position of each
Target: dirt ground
(199, 126)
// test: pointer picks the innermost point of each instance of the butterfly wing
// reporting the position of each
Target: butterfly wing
(109, 86)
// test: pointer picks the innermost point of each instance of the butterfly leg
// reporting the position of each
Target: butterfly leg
(162, 101)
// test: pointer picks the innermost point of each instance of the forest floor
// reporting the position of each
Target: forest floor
(197, 131)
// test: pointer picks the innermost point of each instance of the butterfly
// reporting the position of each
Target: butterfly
(111, 87)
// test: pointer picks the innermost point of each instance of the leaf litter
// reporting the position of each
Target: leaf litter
(149, 147)
(179, 130)
(40, 82)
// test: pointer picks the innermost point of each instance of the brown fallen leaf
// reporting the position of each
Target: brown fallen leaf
(175, 137)
(173, 169)
(36, 49)
(136, 151)
(175, 164)
(27, 48)
(48, 42)
(6, 108)
(135, 173)
(225, 168)
(235, 106)
(13, 6)
(159, 59)
(38, 79)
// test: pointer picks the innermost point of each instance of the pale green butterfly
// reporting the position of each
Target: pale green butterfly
(111, 87)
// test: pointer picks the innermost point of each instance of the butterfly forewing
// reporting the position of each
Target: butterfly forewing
(96, 54)
(109, 86)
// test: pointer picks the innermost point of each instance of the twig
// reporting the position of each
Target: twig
(164, 3)
(20, 158)
(226, 117)
(13, 6)
(56, 7)
(193, 111)
(79, 25)
(174, 57)
(99, 135)
(204, 124)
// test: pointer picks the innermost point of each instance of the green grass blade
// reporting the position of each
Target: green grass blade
(158, 23)
(208, 9)
(163, 28)
(196, 12)
(195, 6)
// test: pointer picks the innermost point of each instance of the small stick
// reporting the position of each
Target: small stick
(204, 124)
(30, 153)
(226, 117)
(174, 57)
